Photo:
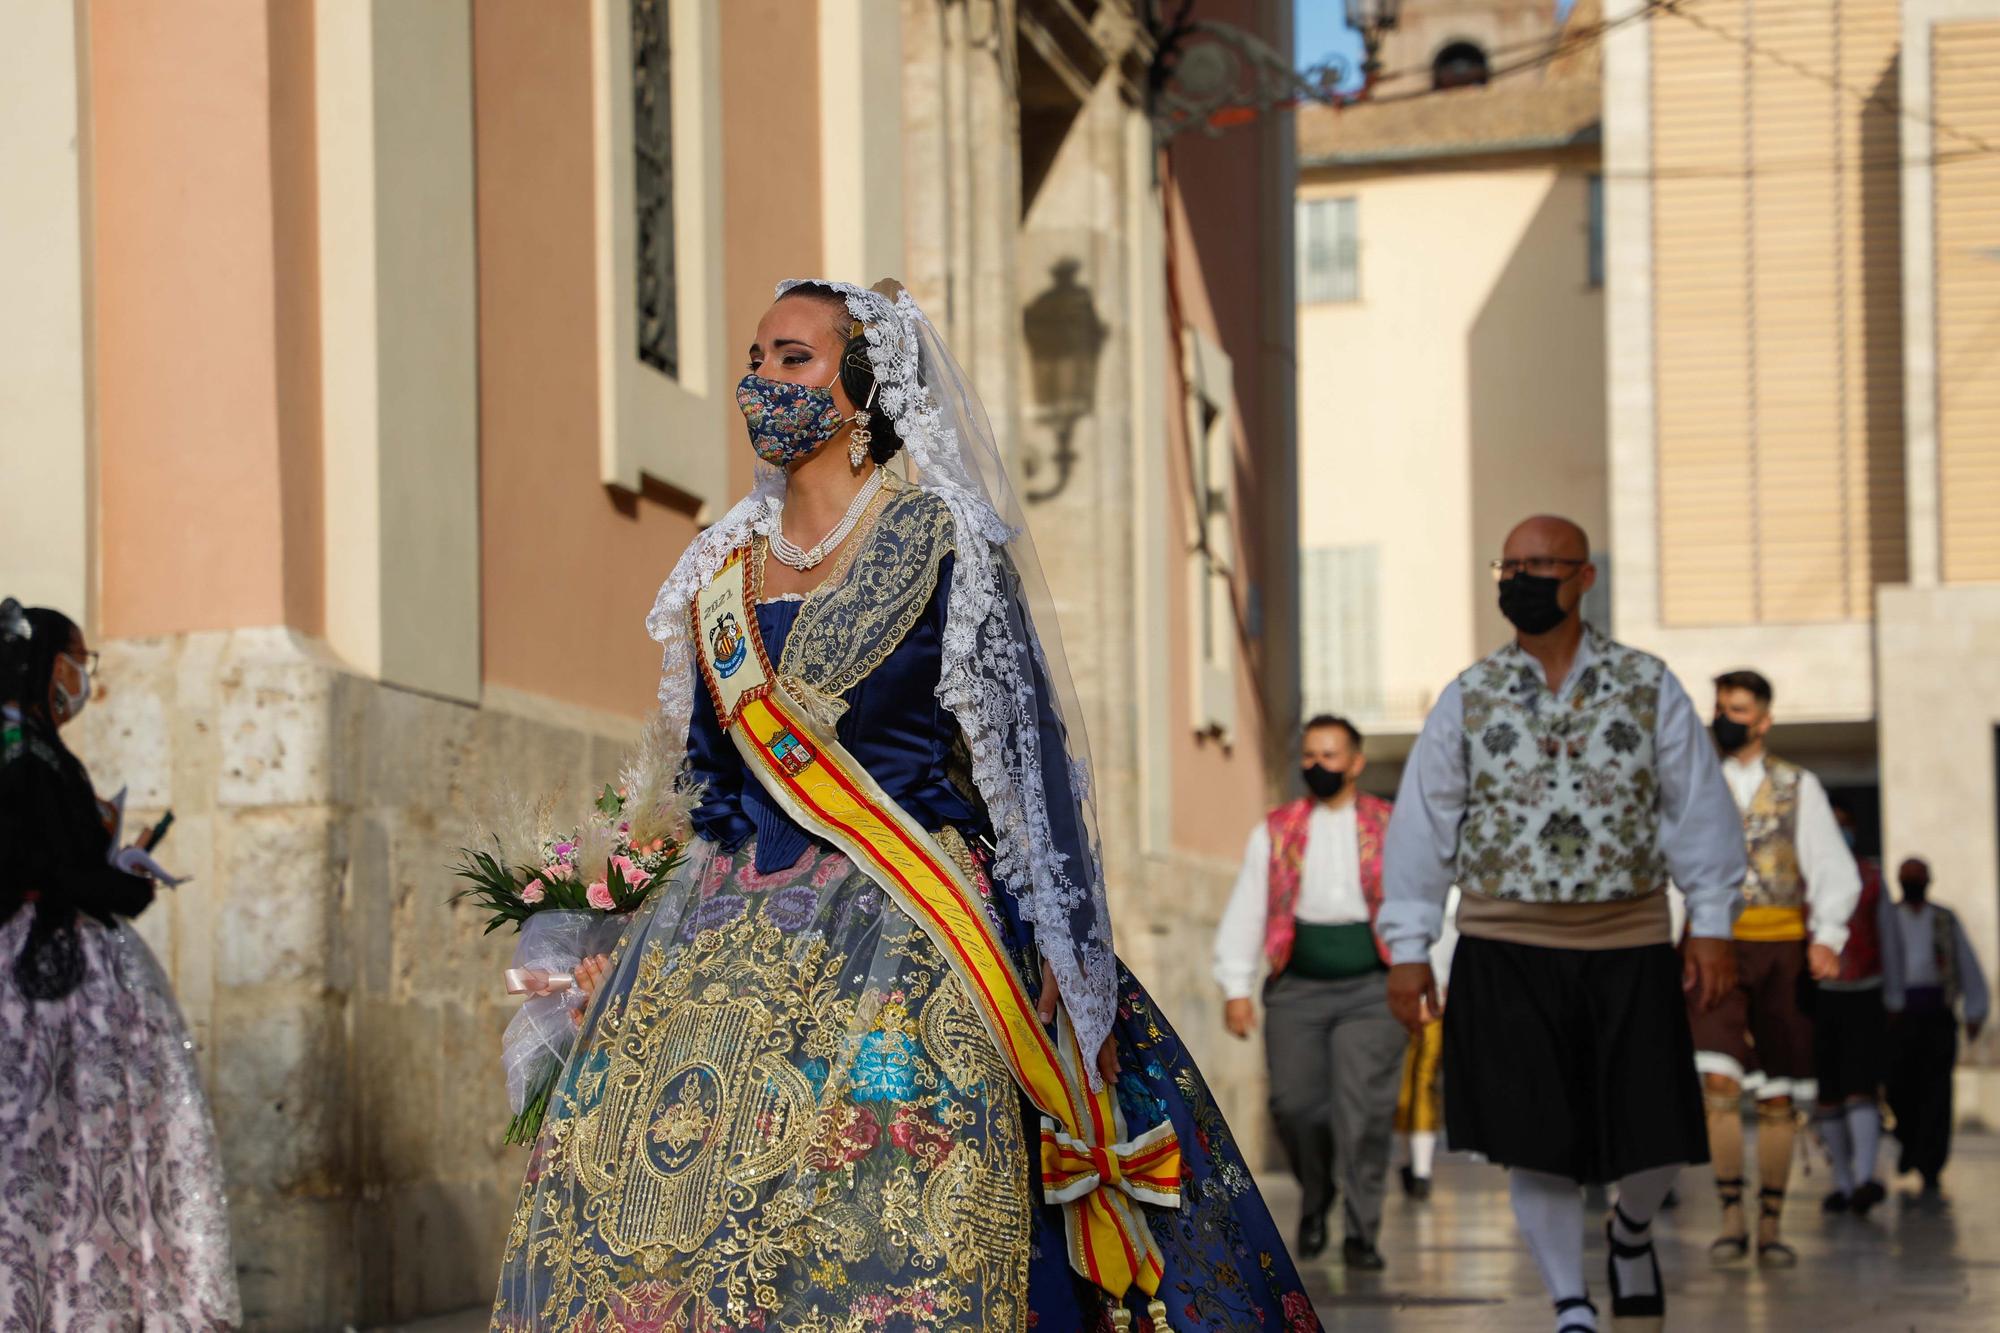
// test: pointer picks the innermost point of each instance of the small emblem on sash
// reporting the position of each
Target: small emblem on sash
(791, 752)
(730, 644)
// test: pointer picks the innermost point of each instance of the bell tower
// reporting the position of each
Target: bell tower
(1456, 43)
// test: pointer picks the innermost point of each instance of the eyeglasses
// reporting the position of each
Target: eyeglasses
(1541, 566)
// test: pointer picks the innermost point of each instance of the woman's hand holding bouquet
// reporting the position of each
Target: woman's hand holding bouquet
(569, 887)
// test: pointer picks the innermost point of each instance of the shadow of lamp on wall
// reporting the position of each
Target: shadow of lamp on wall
(1065, 340)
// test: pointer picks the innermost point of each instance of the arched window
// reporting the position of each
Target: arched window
(1460, 65)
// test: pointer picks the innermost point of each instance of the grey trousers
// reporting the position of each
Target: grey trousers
(1336, 1062)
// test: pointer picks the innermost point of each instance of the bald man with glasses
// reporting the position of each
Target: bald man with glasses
(1560, 783)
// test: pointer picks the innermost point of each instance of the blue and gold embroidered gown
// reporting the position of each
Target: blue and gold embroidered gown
(784, 1112)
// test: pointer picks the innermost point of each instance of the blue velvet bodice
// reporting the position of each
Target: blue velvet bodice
(894, 726)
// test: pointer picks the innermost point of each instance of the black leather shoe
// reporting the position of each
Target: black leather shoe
(1836, 1202)
(1358, 1253)
(1415, 1186)
(1645, 1305)
(1866, 1197)
(1312, 1235)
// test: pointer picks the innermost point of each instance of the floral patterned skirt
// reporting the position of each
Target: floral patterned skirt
(785, 1113)
(112, 1213)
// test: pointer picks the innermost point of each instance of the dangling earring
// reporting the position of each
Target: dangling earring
(858, 442)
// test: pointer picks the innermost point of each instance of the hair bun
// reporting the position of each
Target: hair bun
(890, 288)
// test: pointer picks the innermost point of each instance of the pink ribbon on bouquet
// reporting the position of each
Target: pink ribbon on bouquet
(534, 982)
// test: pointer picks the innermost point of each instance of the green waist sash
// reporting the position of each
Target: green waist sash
(1334, 953)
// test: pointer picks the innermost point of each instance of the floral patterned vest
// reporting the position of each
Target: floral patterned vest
(1562, 793)
(1288, 825)
(1771, 829)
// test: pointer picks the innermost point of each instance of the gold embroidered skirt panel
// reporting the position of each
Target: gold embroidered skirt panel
(783, 1113)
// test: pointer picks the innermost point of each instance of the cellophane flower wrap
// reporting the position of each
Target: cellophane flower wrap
(569, 883)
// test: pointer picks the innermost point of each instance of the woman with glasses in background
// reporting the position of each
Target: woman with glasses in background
(112, 1214)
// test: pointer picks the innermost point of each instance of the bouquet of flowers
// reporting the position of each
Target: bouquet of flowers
(569, 886)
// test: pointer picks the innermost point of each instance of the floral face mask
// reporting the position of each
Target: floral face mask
(787, 421)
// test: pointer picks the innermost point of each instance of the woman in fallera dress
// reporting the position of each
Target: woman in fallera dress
(112, 1214)
(867, 1059)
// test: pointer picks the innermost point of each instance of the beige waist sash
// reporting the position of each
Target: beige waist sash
(1629, 923)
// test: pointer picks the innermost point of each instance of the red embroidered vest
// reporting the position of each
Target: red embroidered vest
(1862, 958)
(1288, 825)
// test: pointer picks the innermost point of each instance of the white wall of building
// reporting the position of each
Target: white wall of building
(1428, 425)
(45, 542)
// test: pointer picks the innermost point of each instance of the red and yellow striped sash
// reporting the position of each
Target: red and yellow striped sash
(1088, 1166)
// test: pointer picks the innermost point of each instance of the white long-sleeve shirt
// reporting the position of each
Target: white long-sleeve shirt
(1329, 894)
(1833, 881)
(1701, 830)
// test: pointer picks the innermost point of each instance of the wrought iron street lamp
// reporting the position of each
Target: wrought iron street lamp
(1216, 75)
(1372, 19)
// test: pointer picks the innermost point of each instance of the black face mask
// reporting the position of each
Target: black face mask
(1730, 734)
(1916, 890)
(1532, 603)
(1324, 783)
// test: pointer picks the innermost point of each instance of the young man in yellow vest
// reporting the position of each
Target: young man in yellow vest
(1305, 905)
(1797, 899)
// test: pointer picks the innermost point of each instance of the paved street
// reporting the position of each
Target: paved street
(1454, 1263)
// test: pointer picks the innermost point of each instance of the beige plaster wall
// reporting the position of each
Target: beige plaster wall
(398, 304)
(1937, 660)
(1427, 425)
(46, 543)
(192, 461)
(861, 97)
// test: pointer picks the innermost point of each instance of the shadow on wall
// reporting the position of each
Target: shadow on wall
(1882, 338)
(1535, 391)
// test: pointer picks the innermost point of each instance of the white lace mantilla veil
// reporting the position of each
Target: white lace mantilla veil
(1000, 626)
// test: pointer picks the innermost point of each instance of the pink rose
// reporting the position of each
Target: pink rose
(598, 895)
(561, 870)
(630, 872)
(533, 892)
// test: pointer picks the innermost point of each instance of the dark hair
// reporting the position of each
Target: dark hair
(857, 373)
(1758, 687)
(1318, 720)
(28, 664)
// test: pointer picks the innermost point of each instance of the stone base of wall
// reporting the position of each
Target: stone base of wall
(347, 1018)
(1165, 930)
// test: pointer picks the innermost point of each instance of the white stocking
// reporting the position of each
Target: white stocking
(1550, 1212)
(1423, 1151)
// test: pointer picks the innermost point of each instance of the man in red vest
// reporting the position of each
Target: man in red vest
(1851, 1039)
(1305, 905)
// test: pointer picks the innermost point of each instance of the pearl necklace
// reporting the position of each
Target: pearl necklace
(790, 555)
